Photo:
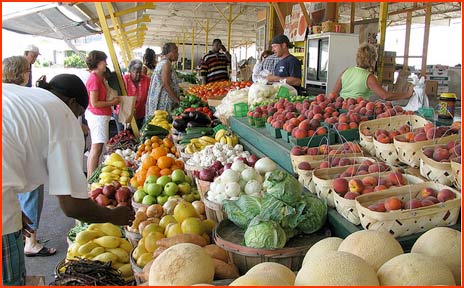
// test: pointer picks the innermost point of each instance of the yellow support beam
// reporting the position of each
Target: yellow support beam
(407, 40)
(143, 19)
(114, 58)
(146, 5)
(271, 26)
(383, 15)
(122, 38)
(142, 27)
(229, 20)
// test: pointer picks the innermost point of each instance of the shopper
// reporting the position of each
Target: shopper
(16, 70)
(31, 53)
(259, 65)
(359, 80)
(149, 62)
(42, 142)
(137, 85)
(289, 67)
(214, 65)
(163, 93)
(98, 113)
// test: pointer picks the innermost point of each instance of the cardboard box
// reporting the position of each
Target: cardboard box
(389, 68)
(214, 102)
(389, 57)
(388, 76)
(431, 88)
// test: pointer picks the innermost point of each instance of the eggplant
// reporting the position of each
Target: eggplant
(179, 124)
(202, 118)
(192, 115)
(191, 124)
(185, 116)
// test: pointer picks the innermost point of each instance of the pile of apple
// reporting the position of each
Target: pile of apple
(111, 195)
(324, 149)
(350, 189)
(444, 153)
(334, 162)
(426, 197)
(158, 190)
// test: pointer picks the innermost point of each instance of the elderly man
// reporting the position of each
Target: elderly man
(31, 53)
(289, 67)
(214, 65)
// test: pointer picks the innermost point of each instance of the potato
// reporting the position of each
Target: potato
(222, 270)
(217, 252)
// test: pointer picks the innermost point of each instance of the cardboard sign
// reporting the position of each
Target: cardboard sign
(295, 23)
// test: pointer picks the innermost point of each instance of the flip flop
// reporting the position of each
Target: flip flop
(42, 253)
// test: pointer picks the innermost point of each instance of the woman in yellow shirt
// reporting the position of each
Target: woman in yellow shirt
(360, 81)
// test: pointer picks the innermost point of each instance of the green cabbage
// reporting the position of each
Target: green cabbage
(242, 210)
(287, 216)
(314, 214)
(263, 233)
(283, 186)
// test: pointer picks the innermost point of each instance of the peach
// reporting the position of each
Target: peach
(380, 187)
(445, 195)
(304, 125)
(363, 168)
(396, 178)
(426, 202)
(380, 132)
(384, 139)
(353, 125)
(351, 170)
(370, 181)
(321, 131)
(412, 204)
(381, 207)
(310, 133)
(404, 129)
(324, 149)
(324, 164)
(393, 203)
(340, 185)
(301, 118)
(420, 137)
(344, 162)
(355, 185)
(372, 207)
(409, 136)
(367, 189)
(426, 192)
(313, 151)
(294, 121)
(370, 106)
(277, 124)
(304, 166)
(428, 152)
(297, 151)
(433, 199)
(367, 162)
(385, 182)
(375, 167)
(351, 195)
(342, 126)
(299, 133)
(366, 132)
(432, 134)
(440, 154)
(336, 162)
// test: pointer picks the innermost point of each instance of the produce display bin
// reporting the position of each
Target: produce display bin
(275, 132)
(240, 109)
(346, 135)
(315, 141)
(285, 135)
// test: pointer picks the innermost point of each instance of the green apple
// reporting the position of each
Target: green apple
(151, 179)
(138, 196)
(162, 199)
(188, 179)
(188, 197)
(148, 200)
(184, 188)
(178, 176)
(152, 189)
(163, 180)
(196, 196)
(171, 188)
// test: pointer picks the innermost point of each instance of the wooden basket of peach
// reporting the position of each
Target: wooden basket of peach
(435, 162)
(347, 189)
(408, 145)
(409, 209)
(389, 127)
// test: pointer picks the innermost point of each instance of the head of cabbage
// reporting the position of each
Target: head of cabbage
(266, 234)
(283, 186)
(242, 210)
(314, 214)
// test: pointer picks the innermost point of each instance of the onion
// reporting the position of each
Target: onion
(207, 174)
(253, 188)
(199, 207)
(252, 160)
(232, 189)
(248, 174)
(264, 165)
(238, 166)
(229, 176)
(169, 206)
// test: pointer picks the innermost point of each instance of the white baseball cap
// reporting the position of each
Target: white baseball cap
(32, 48)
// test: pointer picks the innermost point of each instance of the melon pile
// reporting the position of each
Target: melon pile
(373, 258)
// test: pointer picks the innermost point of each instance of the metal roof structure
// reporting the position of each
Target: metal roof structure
(154, 23)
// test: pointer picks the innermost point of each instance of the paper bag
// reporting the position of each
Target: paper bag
(126, 108)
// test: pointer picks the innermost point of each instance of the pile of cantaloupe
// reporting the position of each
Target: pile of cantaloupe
(372, 258)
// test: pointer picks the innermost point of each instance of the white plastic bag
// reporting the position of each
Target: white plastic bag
(261, 91)
(418, 99)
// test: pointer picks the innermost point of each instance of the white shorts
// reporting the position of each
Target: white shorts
(99, 126)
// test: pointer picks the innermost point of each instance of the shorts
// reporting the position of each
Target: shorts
(13, 265)
(32, 204)
(99, 126)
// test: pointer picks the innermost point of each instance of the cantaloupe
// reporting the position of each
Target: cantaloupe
(336, 268)
(276, 269)
(323, 246)
(443, 243)
(182, 265)
(374, 247)
(414, 269)
(259, 280)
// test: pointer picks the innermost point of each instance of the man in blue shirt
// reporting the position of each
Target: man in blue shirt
(289, 67)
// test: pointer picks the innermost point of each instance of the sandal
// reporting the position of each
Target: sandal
(42, 252)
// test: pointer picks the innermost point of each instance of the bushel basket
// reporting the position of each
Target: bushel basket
(408, 153)
(230, 237)
(347, 207)
(390, 123)
(439, 172)
(214, 211)
(406, 222)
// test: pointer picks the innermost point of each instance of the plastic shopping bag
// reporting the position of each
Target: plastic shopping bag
(418, 99)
